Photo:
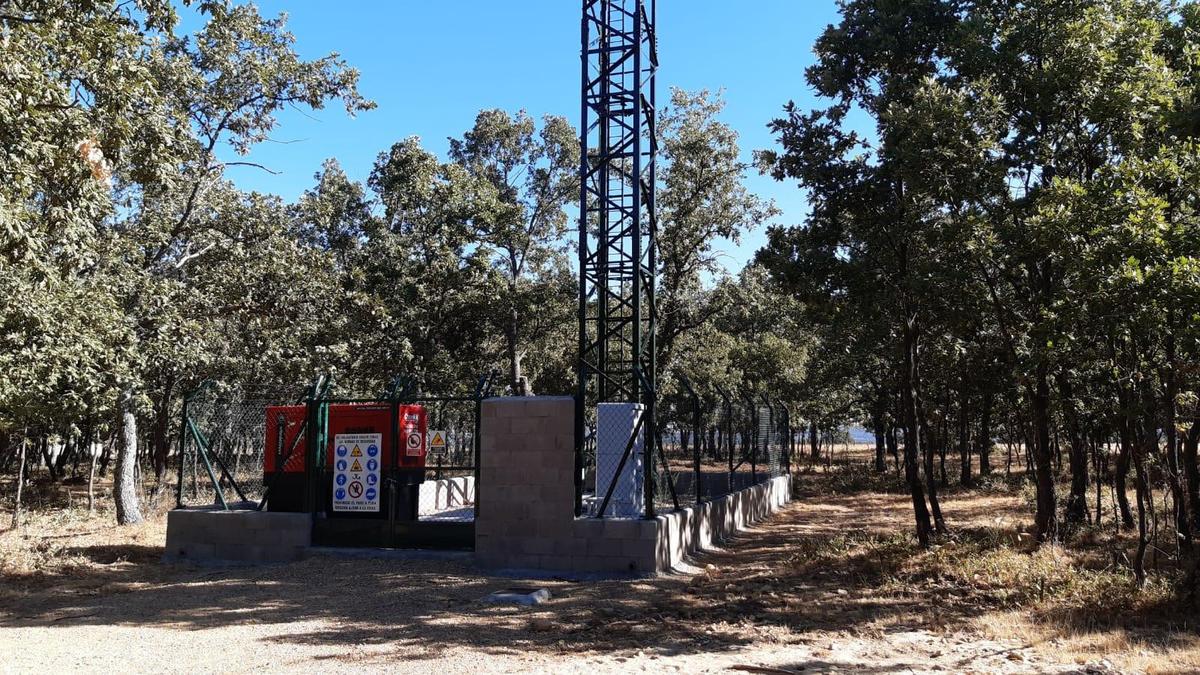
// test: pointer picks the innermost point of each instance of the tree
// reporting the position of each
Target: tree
(702, 199)
(117, 191)
(1023, 202)
(430, 284)
(534, 178)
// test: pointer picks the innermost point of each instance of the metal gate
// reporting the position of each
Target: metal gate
(284, 448)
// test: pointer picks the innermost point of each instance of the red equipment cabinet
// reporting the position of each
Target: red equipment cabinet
(402, 451)
(293, 451)
(413, 429)
(285, 455)
(376, 418)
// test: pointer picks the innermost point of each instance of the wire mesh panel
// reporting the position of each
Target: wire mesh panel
(676, 456)
(621, 440)
(712, 447)
(764, 438)
(223, 443)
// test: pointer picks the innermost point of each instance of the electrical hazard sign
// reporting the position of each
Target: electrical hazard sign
(437, 441)
(352, 480)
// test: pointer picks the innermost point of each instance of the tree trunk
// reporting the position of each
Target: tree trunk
(879, 425)
(964, 436)
(931, 484)
(1099, 469)
(1076, 511)
(1191, 443)
(912, 432)
(16, 516)
(162, 426)
(1046, 518)
(125, 488)
(983, 443)
(44, 446)
(814, 441)
(1124, 455)
(512, 348)
(1144, 502)
(893, 447)
(92, 479)
(1177, 479)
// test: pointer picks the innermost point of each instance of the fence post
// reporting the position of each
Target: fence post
(772, 431)
(729, 446)
(696, 444)
(789, 440)
(753, 411)
(580, 443)
(695, 400)
(316, 438)
(182, 452)
(482, 390)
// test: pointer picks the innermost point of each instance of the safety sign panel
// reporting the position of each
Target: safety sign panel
(437, 441)
(354, 480)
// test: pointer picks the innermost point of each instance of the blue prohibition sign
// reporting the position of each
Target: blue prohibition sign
(340, 494)
(372, 465)
(341, 479)
(372, 451)
(370, 494)
(341, 451)
(372, 479)
(341, 465)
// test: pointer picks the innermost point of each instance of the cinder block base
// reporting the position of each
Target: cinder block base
(526, 516)
(215, 535)
(702, 526)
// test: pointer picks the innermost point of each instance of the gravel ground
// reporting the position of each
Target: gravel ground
(120, 610)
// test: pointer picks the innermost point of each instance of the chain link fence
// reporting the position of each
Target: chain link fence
(248, 447)
(223, 444)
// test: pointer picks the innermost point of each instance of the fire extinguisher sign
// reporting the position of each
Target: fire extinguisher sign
(356, 460)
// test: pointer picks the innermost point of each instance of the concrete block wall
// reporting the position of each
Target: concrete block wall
(703, 526)
(237, 536)
(526, 489)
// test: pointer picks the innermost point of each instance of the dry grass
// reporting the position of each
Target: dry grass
(1076, 600)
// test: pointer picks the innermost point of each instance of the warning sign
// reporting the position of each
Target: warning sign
(437, 441)
(350, 480)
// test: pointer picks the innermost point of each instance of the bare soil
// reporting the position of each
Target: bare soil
(827, 585)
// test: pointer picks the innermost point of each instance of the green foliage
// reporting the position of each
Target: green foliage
(1019, 228)
(132, 269)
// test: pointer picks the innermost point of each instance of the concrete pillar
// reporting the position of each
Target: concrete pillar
(614, 426)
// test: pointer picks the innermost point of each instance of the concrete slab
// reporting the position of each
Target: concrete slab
(526, 597)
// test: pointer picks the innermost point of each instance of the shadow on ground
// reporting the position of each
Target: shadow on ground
(775, 584)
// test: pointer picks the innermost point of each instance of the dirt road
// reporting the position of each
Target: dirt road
(756, 607)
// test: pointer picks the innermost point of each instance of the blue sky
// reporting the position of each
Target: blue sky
(431, 66)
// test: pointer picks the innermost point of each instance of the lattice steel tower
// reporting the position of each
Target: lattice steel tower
(617, 227)
(617, 217)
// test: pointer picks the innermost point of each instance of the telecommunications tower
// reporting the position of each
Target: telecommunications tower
(617, 262)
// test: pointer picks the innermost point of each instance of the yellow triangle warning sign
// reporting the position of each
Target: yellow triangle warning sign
(356, 466)
(437, 440)
(356, 452)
